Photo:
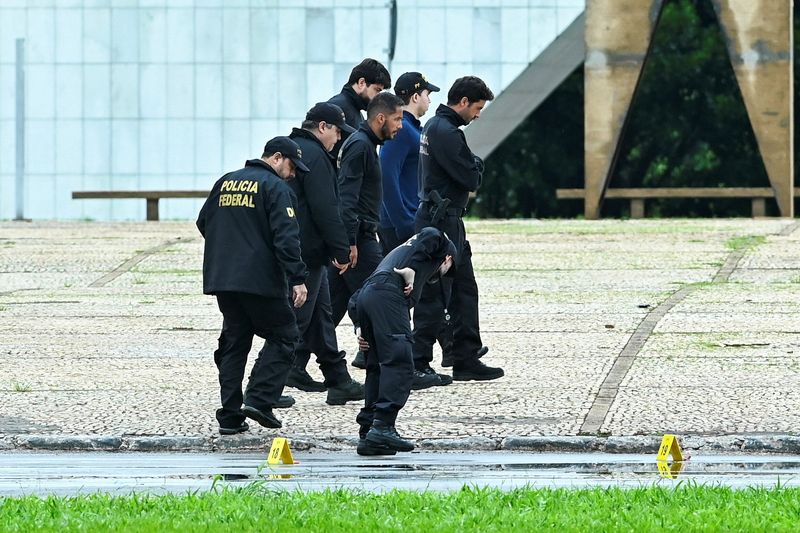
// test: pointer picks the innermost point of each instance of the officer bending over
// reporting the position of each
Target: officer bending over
(252, 248)
(381, 310)
(323, 241)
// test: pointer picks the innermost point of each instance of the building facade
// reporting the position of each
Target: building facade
(170, 94)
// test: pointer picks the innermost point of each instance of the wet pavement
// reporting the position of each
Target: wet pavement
(157, 473)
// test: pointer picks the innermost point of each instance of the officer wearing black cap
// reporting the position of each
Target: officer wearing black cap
(360, 192)
(381, 310)
(323, 241)
(399, 161)
(251, 258)
(448, 172)
(366, 80)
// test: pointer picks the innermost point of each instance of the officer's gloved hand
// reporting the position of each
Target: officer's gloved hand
(479, 166)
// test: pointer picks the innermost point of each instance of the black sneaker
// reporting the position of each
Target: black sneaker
(368, 448)
(381, 435)
(360, 361)
(349, 391)
(444, 379)
(284, 402)
(447, 358)
(233, 431)
(299, 378)
(476, 371)
(425, 379)
(263, 416)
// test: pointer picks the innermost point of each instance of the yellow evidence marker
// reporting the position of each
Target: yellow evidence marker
(280, 452)
(669, 446)
(670, 470)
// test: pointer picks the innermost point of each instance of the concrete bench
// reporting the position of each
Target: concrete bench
(152, 197)
(637, 196)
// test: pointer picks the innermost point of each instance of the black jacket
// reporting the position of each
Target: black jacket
(352, 105)
(252, 239)
(360, 182)
(424, 253)
(446, 164)
(322, 233)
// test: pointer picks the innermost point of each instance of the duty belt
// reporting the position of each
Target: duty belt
(370, 228)
(386, 278)
(450, 211)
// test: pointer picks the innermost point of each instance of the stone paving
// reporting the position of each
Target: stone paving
(106, 339)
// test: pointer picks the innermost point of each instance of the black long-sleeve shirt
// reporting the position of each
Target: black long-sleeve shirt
(423, 253)
(352, 105)
(360, 181)
(322, 233)
(446, 164)
(251, 235)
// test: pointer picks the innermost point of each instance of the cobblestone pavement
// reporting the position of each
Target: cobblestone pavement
(603, 328)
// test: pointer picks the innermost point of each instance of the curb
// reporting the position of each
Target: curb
(762, 444)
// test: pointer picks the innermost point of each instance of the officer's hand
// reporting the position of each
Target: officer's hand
(408, 276)
(353, 256)
(299, 295)
(478, 163)
(341, 267)
(363, 345)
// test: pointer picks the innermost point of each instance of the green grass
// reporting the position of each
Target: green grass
(256, 508)
(21, 387)
(745, 242)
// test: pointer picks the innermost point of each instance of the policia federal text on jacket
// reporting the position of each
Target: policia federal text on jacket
(448, 172)
(251, 257)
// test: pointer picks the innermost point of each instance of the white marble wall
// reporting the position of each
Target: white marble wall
(169, 94)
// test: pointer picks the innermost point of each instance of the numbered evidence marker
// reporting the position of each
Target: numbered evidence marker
(280, 453)
(670, 471)
(669, 446)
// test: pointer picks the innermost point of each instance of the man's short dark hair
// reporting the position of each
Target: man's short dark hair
(310, 125)
(384, 102)
(372, 71)
(474, 88)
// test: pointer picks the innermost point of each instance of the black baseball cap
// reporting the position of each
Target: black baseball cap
(413, 82)
(287, 148)
(330, 113)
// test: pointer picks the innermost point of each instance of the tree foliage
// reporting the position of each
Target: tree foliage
(687, 127)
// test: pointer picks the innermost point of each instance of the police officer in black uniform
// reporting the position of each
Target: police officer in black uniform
(381, 310)
(323, 241)
(449, 171)
(252, 248)
(366, 80)
(360, 193)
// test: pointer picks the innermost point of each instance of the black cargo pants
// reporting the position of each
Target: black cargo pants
(245, 315)
(463, 301)
(381, 309)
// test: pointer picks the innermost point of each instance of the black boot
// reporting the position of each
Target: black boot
(424, 379)
(475, 370)
(349, 391)
(367, 448)
(360, 361)
(382, 434)
(262, 416)
(447, 356)
(300, 379)
(284, 402)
